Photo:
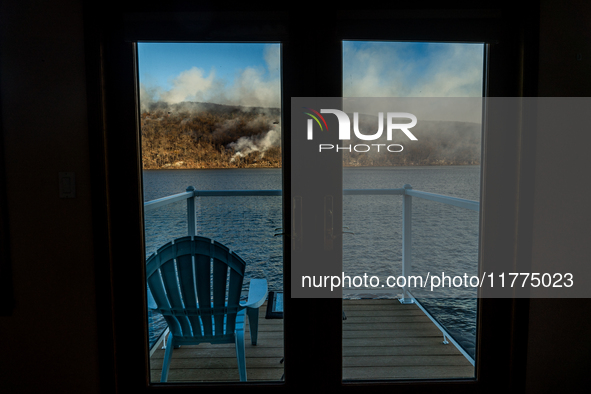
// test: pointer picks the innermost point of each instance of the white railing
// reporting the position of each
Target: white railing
(407, 192)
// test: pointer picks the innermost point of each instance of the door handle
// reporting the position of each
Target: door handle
(329, 233)
(328, 222)
(297, 234)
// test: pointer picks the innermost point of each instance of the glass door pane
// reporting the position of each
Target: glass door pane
(210, 116)
(423, 223)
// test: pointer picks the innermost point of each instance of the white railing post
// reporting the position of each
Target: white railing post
(406, 243)
(191, 219)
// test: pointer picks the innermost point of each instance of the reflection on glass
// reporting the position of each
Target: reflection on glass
(211, 119)
(388, 333)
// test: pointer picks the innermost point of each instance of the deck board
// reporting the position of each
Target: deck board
(382, 339)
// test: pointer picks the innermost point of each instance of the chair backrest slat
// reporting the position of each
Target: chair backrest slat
(186, 275)
(202, 280)
(234, 291)
(159, 294)
(171, 285)
(220, 275)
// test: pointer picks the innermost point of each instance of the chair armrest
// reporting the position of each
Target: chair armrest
(151, 301)
(257, 293)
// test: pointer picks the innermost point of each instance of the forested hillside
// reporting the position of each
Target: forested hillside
(197, 135)
(200, 135)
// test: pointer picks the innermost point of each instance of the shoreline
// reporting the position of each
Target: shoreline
(180, 168)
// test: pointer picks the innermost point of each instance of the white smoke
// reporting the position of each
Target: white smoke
(190, 84)
(250, 89)
(261, 143)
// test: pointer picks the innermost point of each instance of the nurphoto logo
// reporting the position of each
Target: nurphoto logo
(345, 129)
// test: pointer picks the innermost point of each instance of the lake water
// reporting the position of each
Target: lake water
(445, 238)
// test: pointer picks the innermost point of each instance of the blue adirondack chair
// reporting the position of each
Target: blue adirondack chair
(196, 284)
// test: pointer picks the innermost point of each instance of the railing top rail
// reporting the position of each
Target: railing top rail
(160, 202)
(458, 202)
(242, 193)
(347, 192)
(372, 192)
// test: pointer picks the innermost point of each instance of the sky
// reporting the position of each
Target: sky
(412, 69)
(223, 73)
(249, 73)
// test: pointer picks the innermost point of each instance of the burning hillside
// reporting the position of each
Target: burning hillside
(200, 135)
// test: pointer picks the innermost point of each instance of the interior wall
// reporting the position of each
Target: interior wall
(559, 346)
(50, 342)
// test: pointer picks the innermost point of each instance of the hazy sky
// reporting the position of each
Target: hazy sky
(248, 73)
(412, 69)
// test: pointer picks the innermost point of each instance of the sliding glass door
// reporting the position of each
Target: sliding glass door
(411, 208)
(210, 117)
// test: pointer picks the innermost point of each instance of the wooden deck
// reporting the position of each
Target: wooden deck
(206, 362)
(382, 339)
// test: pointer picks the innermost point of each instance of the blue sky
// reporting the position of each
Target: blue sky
(412, 69)
(248, 73)
(160, 63)
(224, 73)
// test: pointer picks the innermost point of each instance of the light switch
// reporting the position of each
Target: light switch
(67, 185)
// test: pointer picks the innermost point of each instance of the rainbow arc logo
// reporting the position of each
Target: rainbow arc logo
(316, 119)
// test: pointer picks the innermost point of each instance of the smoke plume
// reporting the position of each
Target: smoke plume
(259, 143)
